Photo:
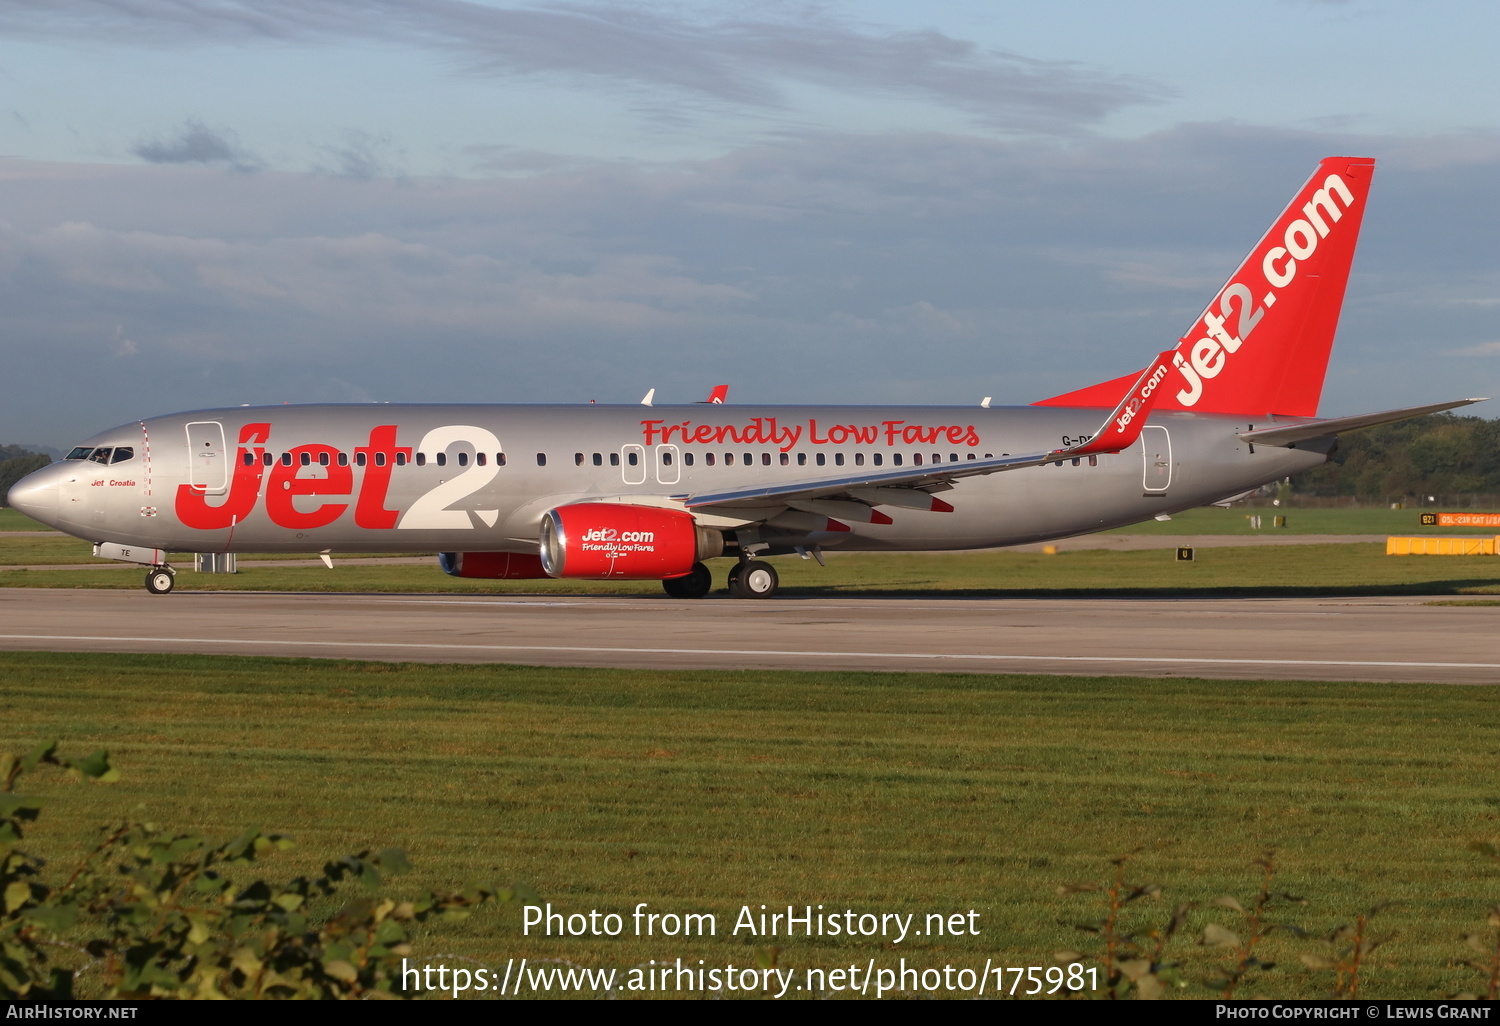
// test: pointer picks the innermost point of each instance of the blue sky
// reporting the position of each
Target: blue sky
(215, 203)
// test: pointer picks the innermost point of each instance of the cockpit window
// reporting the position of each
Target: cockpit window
(101, 454)
(80, 453)
(122, 453)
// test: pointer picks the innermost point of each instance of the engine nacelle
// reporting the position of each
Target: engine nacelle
(615, 540)
(501, 566)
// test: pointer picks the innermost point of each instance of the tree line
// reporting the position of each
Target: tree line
(16, 463)
(1439, 454)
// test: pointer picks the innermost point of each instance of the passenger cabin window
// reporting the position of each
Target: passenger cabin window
(479, 459)
(802, 459)
(578, 459)
(499, 459)
(441, 459)
(80, 453)
(463, 459)
(666, 459)
(895, 459)
(598, 460)
(305, 458)
(266, 459)
(708, 458)
(248, 459)
(324, 459)
(765, 459)
(916, 459)
(359, 459)
(749, 459)
(400, 459)
(343, 459)
(838, 459)
(421, 459)
(687, 459)
(859, 459)
(286, 459)
(633, 458)
(822, 459)
(877, 458)
(614, 459)
(729, 459)
(541, 459)
(786, 459)
(380, 459)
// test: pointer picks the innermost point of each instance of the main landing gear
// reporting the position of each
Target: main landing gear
(159, 579)
(751, 579)
(694, 584)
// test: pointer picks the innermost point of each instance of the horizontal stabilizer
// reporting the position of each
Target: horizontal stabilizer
(1290, 434)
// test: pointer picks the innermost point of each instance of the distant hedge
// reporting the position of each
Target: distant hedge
(1439, 455)
(18, 464)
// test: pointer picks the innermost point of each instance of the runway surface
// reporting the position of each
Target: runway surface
(1373, 639)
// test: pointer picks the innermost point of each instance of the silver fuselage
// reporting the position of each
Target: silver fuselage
(378, 477)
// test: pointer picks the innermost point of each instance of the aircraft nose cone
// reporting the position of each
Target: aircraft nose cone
(36, 496)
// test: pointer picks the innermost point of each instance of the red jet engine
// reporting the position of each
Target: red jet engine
(613, 540)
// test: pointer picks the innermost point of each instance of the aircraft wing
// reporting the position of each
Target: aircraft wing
(1300, 431)
(1120, 430)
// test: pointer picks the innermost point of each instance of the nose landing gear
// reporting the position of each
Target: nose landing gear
(159, 579)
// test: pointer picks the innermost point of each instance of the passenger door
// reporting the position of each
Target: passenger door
(208, 466)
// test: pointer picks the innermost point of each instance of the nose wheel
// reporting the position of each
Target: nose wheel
(159, 579)
(753, 579)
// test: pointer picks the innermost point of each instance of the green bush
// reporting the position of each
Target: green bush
(153, 914)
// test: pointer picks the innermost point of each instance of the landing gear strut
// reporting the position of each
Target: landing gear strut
(159, 579)
(695, 584)
(753, 579)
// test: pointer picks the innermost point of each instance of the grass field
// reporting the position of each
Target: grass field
(1365, 520)
(705, 791)
(1332, 569)
(1210, 520)
(11, 520)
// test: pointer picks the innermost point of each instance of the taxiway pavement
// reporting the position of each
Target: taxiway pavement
(1373, 639)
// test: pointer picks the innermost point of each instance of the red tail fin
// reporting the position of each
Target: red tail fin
(1262, 345)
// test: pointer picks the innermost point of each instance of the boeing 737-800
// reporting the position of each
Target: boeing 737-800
(651, 492)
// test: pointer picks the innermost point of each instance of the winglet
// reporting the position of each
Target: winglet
(1123, 426)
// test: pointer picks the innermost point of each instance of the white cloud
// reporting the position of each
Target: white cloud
(820, 268)
(669, 58)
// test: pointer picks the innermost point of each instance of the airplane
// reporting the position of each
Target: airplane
(597, 491)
